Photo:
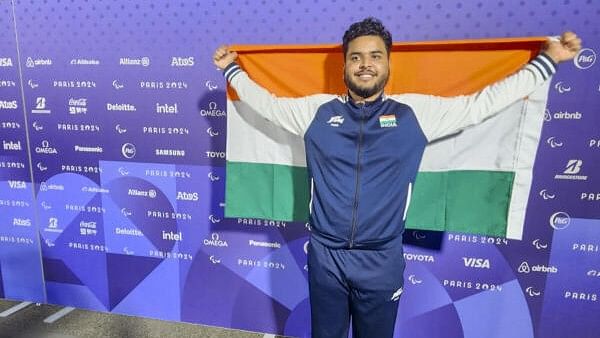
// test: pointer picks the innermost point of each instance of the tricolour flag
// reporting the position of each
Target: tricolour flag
(476, 181)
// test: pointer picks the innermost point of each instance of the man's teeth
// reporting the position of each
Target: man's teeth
(365, 76)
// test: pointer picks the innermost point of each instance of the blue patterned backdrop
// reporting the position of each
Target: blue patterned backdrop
(112, 120)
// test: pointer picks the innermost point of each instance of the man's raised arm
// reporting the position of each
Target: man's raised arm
(441, 116)
(292, 114)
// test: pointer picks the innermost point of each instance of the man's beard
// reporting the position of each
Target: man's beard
(365, 92)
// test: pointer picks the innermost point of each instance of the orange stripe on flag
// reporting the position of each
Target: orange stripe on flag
(445, 68)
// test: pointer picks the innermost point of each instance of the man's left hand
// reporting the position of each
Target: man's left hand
(563, 49)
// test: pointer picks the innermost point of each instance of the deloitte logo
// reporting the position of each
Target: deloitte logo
(560, 220)
(128, 150)
(585, 58)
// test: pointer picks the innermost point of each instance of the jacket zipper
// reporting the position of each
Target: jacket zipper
(357, 183)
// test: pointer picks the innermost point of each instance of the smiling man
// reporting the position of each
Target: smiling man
(363, 151)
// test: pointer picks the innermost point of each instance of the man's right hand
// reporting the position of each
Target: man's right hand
(223, 57)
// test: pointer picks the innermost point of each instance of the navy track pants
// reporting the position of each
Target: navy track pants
(358, 285)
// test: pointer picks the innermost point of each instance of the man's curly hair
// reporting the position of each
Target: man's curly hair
(368, 26)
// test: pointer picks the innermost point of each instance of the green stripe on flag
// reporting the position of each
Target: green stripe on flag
(267, 191)
(461, 201)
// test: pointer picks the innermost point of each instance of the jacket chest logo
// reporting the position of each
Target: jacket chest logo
(387, 121)
(336, 121)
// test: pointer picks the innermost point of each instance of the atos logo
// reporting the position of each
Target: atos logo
(177, 61)
(479, 263)
(8, 104)
(560, 220)
(187, 196)
(128, 150)
(585, 58)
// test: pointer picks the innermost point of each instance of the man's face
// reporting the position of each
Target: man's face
(366, 67)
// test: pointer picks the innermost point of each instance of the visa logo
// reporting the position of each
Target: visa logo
(479, 263)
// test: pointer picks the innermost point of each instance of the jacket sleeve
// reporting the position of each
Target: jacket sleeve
(291, 114)
(442, 116)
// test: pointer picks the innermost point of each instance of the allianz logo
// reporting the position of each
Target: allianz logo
(526, 268)
(135, 192)
(143, 61)
(215, 240)
(479, 263)
(418, 257)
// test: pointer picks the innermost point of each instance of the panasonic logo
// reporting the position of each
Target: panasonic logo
(83, 149)
(274, 245)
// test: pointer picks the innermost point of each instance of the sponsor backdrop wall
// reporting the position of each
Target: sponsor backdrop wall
(112, 171)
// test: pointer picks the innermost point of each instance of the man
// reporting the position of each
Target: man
(361, 171)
